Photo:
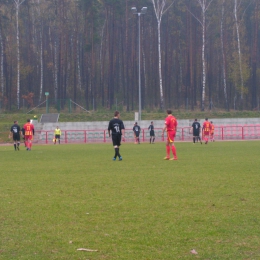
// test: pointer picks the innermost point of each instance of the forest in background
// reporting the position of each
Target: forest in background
(195, 54)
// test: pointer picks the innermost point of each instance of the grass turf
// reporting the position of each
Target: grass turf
(58, 198)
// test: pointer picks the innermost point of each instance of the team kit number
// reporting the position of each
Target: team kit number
(116, 127)
(28, 130)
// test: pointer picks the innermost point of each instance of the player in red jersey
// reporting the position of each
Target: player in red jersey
(206, 130)
(171, 128)
(28, 134)
(212, 132)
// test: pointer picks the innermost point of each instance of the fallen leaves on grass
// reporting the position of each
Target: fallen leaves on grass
(193, 251)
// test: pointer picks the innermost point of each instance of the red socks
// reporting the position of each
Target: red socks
(174, 151)
(168, 150)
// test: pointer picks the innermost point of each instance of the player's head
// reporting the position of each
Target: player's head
(57, 127)
(206, 119)
(15, 122)
(28, 120)
(211, 122)
(169, 111)
(116, 114)
(195, 119)
(135, 123)
(152, 122)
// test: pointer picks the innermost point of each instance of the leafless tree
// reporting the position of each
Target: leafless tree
(160, 7)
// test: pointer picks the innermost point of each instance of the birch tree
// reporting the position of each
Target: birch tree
(17, 4)
(160, 7)
(204, 4)
(235, 11)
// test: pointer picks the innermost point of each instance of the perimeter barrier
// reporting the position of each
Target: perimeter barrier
(221, 133)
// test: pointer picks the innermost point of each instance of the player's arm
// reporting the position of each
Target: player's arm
(134, 131)
(164, 129)
(109, 128)
(123, 133)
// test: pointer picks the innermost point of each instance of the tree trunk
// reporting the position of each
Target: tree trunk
(239, 51)
(223, 55)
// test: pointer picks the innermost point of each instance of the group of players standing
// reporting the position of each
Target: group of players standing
(27, 132)
(137, 131)
(207, 131)
(117, 129)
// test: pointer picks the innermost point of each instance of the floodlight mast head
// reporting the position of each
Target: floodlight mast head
(143, 10)
(134, 10)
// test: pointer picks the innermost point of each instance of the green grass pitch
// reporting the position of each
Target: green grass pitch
(56, 199)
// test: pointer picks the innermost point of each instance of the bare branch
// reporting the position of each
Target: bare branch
(168, 7)
(194, 16)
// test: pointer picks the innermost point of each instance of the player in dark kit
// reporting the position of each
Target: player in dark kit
(116, 126)
(15, 131)
(196, 131)
(152, 136)
(137, 130)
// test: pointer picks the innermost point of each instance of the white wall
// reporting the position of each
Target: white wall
(144, 124)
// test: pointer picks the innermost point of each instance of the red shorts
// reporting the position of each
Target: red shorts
(170, 136)
(206, 133)
(28, 137)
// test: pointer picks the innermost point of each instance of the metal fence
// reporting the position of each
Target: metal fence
(246, 132)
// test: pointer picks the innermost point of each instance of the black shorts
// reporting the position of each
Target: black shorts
(152, 133)
(116, 139)
(16, 137)
(137, 134)
(57, 136)
(196, 133)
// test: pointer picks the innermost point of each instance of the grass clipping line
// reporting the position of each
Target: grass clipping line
(87, 250)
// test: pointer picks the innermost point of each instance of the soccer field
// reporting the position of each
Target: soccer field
(56, 199)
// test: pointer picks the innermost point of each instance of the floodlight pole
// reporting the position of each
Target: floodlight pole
(143, 11)
(139, 67)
